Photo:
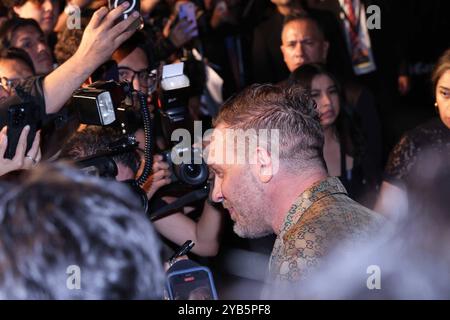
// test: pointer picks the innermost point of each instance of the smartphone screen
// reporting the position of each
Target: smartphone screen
(187, 11)
(191, 284)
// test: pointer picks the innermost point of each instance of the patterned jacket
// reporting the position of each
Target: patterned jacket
(322, 217)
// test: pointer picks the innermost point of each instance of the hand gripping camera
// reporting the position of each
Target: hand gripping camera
(187, 165)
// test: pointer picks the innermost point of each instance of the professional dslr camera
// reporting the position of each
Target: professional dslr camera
(189, 171)
(186, 161)
(112, 104)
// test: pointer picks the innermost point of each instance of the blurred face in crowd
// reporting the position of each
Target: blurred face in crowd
(45, 12)
(33, 42)
(11, 72)
(325, 94)
(443, 98)
(303, 43)
(282, 2)
(134, 68)
(239, 190)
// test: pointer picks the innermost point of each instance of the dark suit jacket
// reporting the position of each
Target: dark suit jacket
(268, 64)
(386, 42)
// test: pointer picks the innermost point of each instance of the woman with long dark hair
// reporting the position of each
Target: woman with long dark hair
(344, 149)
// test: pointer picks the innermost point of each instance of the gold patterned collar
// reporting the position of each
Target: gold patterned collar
(313, 194)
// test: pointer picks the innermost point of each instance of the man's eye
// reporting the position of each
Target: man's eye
(26, 45)
(445, 93)
(123, 75)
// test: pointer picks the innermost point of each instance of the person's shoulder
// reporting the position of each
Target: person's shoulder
(423, 136)
(269, 24)
(340, 212)
(433, 128)
(426, 129)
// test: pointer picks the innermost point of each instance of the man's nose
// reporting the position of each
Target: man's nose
(41, 47)
(299, 49)
(136, 84)
(216, 194)
(48, 6)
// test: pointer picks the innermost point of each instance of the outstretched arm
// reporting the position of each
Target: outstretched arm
(100, 39)
(204, 233)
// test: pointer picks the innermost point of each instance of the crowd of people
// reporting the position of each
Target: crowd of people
(359, 175)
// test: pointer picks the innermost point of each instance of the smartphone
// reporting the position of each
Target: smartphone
(135, 5)
(19, 116)
(187, 11)
(194, 283)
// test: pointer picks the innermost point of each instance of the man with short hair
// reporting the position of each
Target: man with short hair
(267, 59)
(283, 188)
(303, 42)
(15, 65)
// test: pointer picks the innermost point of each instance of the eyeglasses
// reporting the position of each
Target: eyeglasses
(9, 84)
(128, 74)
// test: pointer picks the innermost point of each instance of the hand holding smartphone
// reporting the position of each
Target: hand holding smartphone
(187, 11)
(135, 5)
(20, 116)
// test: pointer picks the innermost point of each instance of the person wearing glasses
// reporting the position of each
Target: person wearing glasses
(133, 63)
(15, 65)
(133, 66)
(101, 37)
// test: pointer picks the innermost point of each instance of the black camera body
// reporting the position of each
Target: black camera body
(191, 174)
(173, 99)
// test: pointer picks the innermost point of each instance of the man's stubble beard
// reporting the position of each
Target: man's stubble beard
(250, 207)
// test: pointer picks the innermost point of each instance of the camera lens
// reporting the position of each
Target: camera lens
(193, 174)
(192, 171)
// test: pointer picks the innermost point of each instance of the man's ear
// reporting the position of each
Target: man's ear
(264, 165)
(16, 10)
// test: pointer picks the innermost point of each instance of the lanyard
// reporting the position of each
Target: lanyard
(354, 27)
